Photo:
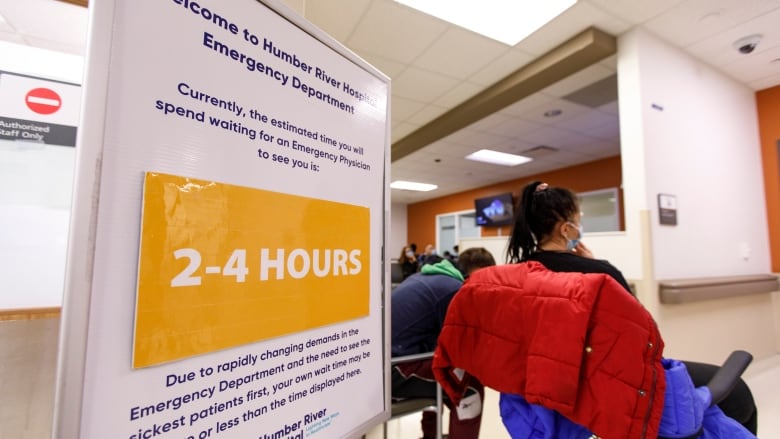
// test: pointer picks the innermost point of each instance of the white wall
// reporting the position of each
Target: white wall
(701, 145)
(703, 148)
(398, 227)
(496, 245)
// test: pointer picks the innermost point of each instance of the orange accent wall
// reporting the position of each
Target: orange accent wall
(768, 102)
(421, 217)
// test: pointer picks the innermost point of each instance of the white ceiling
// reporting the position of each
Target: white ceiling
(434, 66)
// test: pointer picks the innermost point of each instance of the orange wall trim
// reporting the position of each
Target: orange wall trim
(421, 217)
(768, 103)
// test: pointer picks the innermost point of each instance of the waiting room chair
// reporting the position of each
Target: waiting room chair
(405, 406)
(396, 274)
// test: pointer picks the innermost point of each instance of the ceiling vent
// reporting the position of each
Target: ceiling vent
(597, 94)
(539, 151)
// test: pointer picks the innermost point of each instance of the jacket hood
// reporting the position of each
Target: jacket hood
(444, 267)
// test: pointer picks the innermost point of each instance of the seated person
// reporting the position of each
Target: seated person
(418, 307)
(408, 262)
(427, 253)
(546, 238)
(548, 230)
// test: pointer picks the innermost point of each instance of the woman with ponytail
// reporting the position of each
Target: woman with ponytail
(547, 229)
(570, 352)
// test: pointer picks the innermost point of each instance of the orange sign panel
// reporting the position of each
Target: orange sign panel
(223, 265)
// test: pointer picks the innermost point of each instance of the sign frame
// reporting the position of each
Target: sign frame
(667, 209)
(73, 358)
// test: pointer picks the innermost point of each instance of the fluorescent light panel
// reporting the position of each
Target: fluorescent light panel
(498, 158)
(412, 186)
(507, 21)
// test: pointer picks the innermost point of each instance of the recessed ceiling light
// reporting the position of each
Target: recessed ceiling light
(507, 21)
(553, 113)
(412, 186)
(498, 158)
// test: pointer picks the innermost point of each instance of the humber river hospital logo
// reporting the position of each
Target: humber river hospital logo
(223, 265)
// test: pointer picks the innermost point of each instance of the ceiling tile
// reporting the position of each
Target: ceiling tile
(603, 149)
(458, 94)
(585, 120)
(581, 79)
(609, 62)
(396, 31)
(576, 19)
(611, 108)
(401, 130)
(390, 68)
(767, 82)
(487, 140)
(336, 17)
(487, 123)
(62, 24)
(463, 136)
(515, 146)
(460, 53)
(569, 110)
(692, 21)
(755, 67)
(608, 130)
(401, 109)
(514, 127)
(528, 103)
(546, 135)
(719, 50)
(633, 11)
(427, 114)
(422, 85)
(501, 67)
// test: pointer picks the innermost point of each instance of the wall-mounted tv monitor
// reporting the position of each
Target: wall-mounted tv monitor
(497, 210)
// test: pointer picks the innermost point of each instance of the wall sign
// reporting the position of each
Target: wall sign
(38, 110)
(667, 209)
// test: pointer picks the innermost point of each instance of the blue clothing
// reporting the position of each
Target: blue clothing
(686, 411)
(531, 421)
(418, 306)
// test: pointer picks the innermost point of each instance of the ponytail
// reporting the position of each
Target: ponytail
(522, 242)
(537, 211)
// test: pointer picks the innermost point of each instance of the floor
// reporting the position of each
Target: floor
(763, 377)
(27, 371)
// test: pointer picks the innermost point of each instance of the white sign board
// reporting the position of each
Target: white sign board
(38, 119)
(231, 204)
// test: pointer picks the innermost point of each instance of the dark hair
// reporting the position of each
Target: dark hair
(473, 258)
(431, 259)
(538, 210)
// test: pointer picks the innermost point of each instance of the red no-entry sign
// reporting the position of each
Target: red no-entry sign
(43, 100)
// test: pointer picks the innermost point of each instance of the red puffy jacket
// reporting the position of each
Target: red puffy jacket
(575, 343)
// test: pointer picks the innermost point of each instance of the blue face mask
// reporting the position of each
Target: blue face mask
(571, 243)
